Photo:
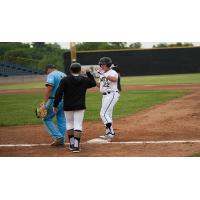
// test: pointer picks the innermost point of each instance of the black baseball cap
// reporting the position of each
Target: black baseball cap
(49, 66)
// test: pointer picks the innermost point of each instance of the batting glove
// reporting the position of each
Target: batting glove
(100, 71)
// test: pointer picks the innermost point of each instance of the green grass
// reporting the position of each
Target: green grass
(134, 80)
(19, 109)
(195, 155)
(22, 86)
(162, 79)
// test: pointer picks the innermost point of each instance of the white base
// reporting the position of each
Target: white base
(98, 141)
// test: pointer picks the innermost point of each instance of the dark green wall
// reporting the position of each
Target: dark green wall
(145, 62)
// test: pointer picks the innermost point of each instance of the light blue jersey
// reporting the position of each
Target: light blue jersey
(54, 79)
(56, 132)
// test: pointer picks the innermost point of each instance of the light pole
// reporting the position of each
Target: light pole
(73, 51)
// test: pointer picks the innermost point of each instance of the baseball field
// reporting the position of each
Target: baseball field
(155, 116)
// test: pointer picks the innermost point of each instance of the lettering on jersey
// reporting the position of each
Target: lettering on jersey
(105, 82)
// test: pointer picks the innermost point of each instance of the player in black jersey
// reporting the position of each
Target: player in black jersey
(73, 89)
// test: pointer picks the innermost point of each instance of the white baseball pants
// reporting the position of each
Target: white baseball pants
(75, 119)
(108, 103)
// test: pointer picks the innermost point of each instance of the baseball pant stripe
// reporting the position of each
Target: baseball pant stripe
(108, 107)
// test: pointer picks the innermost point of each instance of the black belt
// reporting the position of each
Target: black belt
(105, 93)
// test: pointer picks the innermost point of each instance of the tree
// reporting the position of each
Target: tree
(136, 45)
(104, 46)
(187, 44)
(160, 45)
(177, 44)
(17, 53)
(118, 45)
(7, 46)
(38, 54)
(85, 46)
(38, 45)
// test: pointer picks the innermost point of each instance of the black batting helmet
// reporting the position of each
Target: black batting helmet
(105, 61)
(75, 68)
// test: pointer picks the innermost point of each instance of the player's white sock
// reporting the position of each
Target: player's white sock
(71, 141)
(71, 136)
(77, 138)
(76, 142)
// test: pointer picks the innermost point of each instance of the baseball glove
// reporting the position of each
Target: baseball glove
(41, 111)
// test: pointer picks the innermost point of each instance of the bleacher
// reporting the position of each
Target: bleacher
(11, 69)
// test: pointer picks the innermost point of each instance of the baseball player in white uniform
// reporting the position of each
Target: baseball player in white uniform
(108, 84)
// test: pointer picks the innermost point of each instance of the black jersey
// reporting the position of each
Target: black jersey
(73, 89)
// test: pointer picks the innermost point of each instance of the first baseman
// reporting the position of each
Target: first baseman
(56, 132)
(110, 94)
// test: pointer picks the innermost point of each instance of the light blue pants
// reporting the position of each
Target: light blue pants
(54, 131)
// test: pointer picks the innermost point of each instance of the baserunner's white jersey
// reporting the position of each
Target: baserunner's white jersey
(106, 85)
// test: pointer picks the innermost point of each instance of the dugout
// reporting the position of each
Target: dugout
(134, 62)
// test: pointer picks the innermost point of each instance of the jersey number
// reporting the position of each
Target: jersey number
(106, 84)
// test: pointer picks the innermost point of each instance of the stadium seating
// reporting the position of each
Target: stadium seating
(11, 69)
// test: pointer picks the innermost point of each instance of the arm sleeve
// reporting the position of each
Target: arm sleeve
(59, 94)
(50, 80)
(119, 83)
(91, 80)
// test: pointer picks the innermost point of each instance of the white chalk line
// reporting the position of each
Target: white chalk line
(157, 142)
(23, 145)
(101, 141)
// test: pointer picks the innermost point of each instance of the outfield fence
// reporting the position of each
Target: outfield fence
(137, 62)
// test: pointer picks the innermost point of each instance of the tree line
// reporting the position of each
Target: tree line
(177, 44)
(35, 54)
(85, 46)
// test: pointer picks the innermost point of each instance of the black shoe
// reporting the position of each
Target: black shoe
(61, 145)
(71, 147)
(58, 142)
(76, 150)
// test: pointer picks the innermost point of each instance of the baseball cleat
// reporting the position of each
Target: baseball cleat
(76, 150)
(57, 143)
(61, 145)
(108, 137)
